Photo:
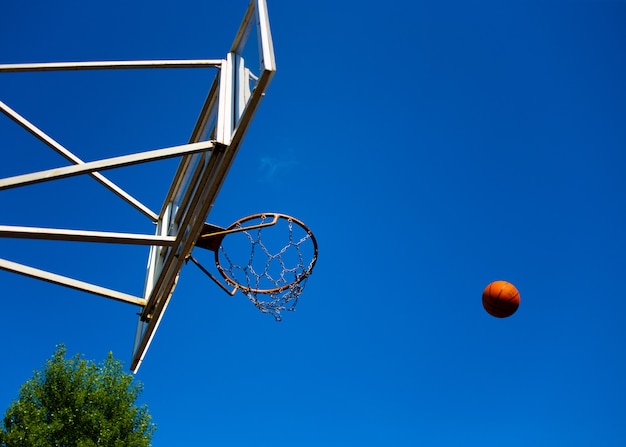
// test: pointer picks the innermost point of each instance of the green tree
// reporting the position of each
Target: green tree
(78, 403)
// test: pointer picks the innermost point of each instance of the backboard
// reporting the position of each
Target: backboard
(231, 103)
(241, 80)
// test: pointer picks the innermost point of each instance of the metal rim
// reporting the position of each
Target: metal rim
(301, 278)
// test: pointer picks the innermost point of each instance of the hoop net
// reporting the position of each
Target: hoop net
(269, 263)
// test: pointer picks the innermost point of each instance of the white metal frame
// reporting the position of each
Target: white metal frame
(205, 162)
(93, 169)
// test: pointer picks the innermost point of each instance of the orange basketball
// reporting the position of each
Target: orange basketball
(501, 299)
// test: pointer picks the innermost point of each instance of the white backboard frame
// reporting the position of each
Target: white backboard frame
(227, 113)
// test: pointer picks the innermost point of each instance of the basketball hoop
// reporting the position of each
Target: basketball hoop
(268, 257)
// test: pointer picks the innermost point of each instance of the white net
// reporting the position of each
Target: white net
(269, 258)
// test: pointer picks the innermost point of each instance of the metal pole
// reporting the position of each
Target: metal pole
(69, 282)
(56, 234)
(111, 65)
(108, 163)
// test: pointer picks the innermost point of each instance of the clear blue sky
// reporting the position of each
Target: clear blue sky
(432, 147)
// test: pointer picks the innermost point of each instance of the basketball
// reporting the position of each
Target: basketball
(501, 299)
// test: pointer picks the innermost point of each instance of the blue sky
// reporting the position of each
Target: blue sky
(432, 148)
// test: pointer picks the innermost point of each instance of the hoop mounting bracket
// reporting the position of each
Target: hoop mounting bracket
(212, 235)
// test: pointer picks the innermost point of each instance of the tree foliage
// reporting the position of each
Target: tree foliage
(78, 403)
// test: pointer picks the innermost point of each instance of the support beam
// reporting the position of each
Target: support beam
(101, 165)
(69, 282)
(59, 149)
(111, 65)
(56, 234)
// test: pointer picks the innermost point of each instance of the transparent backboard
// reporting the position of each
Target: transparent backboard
(231, 103)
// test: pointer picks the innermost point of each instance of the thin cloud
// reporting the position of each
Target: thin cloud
(273, 167)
